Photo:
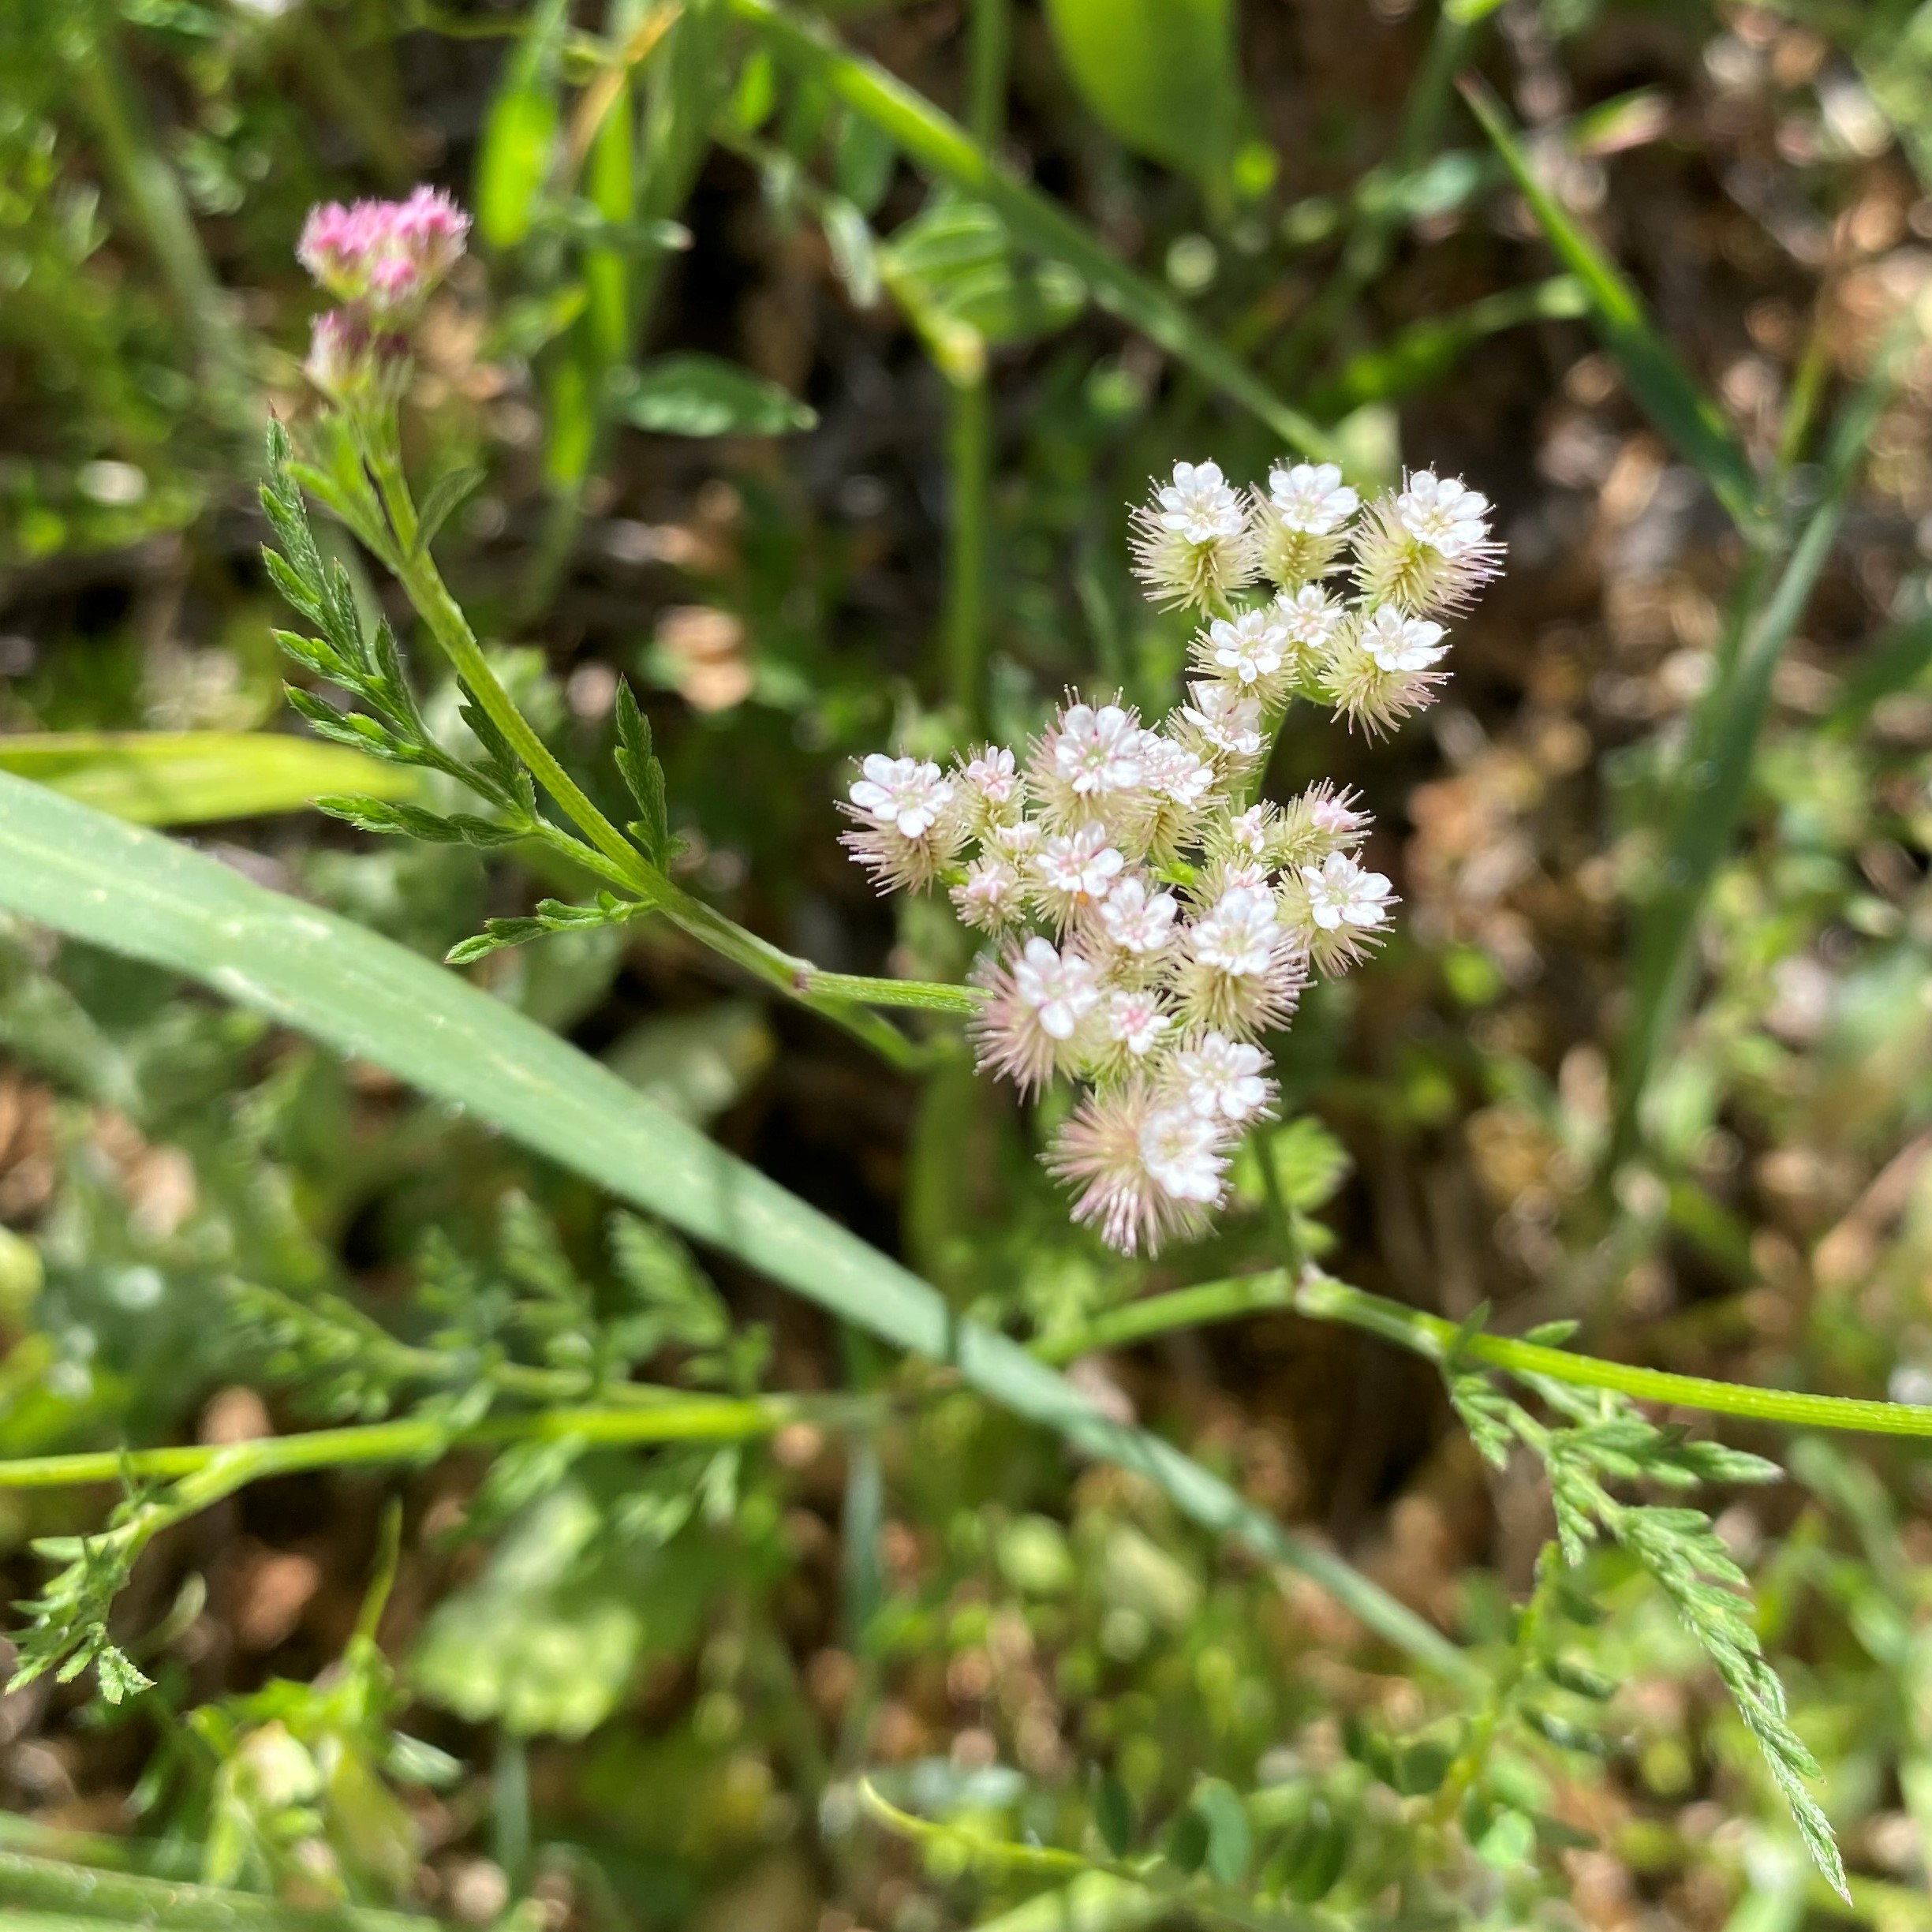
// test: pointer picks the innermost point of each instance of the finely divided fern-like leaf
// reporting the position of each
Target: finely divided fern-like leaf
(1607, 1439)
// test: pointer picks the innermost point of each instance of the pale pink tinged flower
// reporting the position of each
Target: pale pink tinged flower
(1133, 1022)
(1310, 618)
(1223, 876)
(1427, 547)
(1443, 513)
(1225, 721)
(1191, 542)
(388, 255)
(1061, 987)
(1136, 919)
(1175, 772)
(1039, 997)
(1097, 749)
(1363, 688)
(907, 828)
(1238, 934)
(908, 795)
(1335, 814)
(1146, 1173)
(350, 362)
(1223, 1079)
(1339, 909)
(993, 783)
(1242, 972)
(1311, 498)
(1342, 894)
(1199, 504)
(1247, 651)
(1075, 870)
(1402, 644)
(1017, 842)
(1185, 1155)
(992, 897)
(1320, 821)
(1248, 832)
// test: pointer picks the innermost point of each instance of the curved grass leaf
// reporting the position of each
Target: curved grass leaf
(1658, 380)
(520, 132)
(188, 778)
(138, 894)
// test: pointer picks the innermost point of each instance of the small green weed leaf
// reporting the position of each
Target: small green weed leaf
(542, 1643)
(524, 325)
(700, 395)
(695, 1065)
(449, 489)
(1186, 1845)
(1159, 75)
(412, 822)
(1311, 1860)
(956, 272)
(1426, 352)
(551, 915)
(863, 159)
(1229, 1842)
(638, 765)
(1113, 1815)
(1657, 380)
(1509, 1842)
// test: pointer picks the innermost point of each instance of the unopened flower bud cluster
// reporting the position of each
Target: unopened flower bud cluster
(1149, 920)
(380, 260)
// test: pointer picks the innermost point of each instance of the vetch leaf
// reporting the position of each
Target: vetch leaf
(1230, 1843)
(1159, 75)
(1113, 1815)
(148, 897)
(700, 395)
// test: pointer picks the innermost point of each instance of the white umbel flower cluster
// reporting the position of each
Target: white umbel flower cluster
(1150, 921)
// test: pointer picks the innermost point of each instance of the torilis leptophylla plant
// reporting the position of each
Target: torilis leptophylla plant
(1150, 920)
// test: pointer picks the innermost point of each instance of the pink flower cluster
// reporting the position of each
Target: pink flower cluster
(380, 260)
(1152, 920)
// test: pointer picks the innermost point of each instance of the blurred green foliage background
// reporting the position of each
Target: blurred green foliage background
(806, 367)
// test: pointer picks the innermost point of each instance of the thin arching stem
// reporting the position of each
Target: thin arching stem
(1323, 1298)
(843, 998)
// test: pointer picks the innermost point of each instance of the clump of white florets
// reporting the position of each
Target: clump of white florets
(1150, 919)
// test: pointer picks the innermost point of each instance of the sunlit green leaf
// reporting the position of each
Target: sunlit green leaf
(188, 778)
(1160, 75)
(700, 395)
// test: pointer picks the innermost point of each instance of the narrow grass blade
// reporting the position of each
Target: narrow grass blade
(188, 778)
(71, 1894)
(1708, 798)
(138, 894)
(942, 147)
(1426, 351)
(1658, 380)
